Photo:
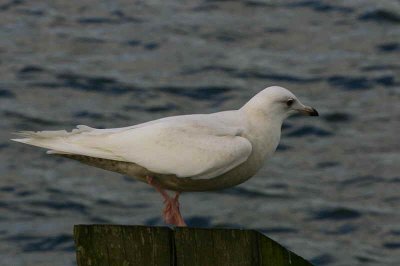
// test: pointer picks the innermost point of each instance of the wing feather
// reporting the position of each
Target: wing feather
(186, 149)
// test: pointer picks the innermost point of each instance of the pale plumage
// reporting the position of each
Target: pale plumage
(184, 153)
(186, 146)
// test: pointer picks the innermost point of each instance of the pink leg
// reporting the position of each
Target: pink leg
(171, 213)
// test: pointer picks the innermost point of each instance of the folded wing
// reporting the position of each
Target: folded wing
(182, 149)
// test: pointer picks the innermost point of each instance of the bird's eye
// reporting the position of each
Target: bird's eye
(289, 102)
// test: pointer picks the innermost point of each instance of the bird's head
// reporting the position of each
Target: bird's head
(278, 102)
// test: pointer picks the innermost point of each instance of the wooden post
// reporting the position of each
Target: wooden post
(121, 245)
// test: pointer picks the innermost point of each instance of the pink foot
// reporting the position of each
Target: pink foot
(171, 213)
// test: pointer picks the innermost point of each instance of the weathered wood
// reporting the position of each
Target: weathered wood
(109, 245)
(144, 245)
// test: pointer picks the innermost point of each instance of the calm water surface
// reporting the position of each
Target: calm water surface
(330, 193)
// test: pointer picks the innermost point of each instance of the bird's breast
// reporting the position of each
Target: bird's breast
(263, 146)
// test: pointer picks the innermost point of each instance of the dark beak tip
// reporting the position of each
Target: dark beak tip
(314, 112)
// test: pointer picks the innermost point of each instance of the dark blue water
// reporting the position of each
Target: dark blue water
(330, 193)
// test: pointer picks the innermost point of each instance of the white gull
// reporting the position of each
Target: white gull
(196, 152)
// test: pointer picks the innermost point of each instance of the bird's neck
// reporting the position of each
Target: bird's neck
(264, 129)
(258, 118)
(264, 134)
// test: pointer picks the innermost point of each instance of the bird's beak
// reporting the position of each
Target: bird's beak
(307, 110)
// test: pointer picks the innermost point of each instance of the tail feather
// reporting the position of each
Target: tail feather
(63, 142)
(52, 134)
(50, 139)
(41, 134)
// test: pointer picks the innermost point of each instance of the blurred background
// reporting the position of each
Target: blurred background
(330, 193)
